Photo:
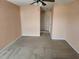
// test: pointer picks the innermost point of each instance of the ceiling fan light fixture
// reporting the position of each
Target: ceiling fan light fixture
(40, 4)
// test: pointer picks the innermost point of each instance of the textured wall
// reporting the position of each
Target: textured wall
(9, 22)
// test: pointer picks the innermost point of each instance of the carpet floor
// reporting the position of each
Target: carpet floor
(39, 48)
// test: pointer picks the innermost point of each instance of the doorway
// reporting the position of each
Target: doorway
(46, 22)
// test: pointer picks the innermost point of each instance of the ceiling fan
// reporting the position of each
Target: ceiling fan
(42, 2)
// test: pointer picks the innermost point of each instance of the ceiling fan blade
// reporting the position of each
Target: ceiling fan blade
(49, 0)
(44, 4)
(33, 3)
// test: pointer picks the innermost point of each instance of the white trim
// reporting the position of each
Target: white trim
(9, 44)
(29, 35)
(72, 46)
(57, 37)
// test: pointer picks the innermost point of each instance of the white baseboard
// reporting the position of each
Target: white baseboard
(72, 46)
(57, 37)
(30, 35)
(9, 44)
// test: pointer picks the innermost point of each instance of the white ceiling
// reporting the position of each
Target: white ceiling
(27, 2)
(21, 2)
(64, 1)
(47, 7)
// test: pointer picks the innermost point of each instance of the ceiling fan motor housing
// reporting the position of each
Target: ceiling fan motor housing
(42, 1)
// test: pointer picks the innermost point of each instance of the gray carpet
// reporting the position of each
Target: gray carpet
(39, 48)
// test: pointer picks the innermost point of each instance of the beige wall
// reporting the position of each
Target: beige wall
(30, 20)
(59, 20)
(72, 34)
(9, 23)
(66, 22)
